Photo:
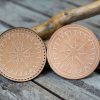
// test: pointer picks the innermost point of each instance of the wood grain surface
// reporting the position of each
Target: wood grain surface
(48, 86)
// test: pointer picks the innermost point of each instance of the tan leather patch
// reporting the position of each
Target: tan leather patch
(22, 54)
(73, 52)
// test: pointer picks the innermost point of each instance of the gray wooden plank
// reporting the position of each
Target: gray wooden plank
(19, 16)
(70, 89)
(78, 2)
(2, 28)
(23, 91)
(93, 81)
(49, 7)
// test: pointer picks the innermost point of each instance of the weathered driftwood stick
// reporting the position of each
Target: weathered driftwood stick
(46, 29)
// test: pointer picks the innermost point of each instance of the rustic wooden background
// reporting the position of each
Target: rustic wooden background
(48, 86)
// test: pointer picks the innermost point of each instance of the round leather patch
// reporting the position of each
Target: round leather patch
(22, 54)
(73, 52)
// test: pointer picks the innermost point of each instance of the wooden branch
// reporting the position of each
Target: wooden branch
(46, 29)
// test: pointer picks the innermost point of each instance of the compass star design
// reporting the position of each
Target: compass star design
(18, 52)
(72, 51)
(21, 53)
(75, 53)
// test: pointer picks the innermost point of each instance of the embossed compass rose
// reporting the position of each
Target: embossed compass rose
(22, 54)
(73, 52)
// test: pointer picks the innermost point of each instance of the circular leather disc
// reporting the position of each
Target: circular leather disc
(73, 52)
(22, 54)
